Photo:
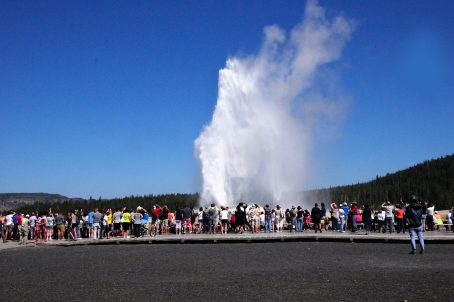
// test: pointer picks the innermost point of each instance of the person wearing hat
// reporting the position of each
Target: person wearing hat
(413, 214)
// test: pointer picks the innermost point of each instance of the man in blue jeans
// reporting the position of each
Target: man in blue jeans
(413, 214)
(268, 220)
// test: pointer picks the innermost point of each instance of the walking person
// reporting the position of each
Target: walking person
(413, 214)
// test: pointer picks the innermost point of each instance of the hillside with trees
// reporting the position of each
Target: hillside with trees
(432, 180)
(130, 202)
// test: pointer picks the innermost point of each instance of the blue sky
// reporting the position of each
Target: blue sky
(105, 98)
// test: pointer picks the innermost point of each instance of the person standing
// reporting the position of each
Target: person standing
(97, 219)
(367, 218)
(60, 221)
(413, 214)
(334, 217)
(268, 221)
(299, 219)
(430, 216)
(137, 217)
(24, 229)
(316, 217)
(127, 221)
(389, 216)
(399, 213)
(353, 213)
(90, 224)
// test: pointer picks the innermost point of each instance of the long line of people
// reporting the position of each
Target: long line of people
(107, 223)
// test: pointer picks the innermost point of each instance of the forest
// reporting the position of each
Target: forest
(430, 181)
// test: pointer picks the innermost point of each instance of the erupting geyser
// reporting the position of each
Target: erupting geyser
(256, 144)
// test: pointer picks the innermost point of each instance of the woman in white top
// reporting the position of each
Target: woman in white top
(224, 220)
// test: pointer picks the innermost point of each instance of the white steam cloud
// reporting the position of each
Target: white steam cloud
(257, 144)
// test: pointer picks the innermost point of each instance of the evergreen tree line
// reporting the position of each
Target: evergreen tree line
(132, 202)
(430, 181)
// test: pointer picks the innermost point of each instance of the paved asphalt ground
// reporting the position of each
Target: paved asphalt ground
(280, 271)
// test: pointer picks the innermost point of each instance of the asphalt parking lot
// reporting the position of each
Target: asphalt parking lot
(279, 271)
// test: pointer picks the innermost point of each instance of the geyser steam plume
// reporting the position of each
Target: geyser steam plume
(256, 145)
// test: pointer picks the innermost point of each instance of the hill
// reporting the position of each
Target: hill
(432, 180)
(16, 200)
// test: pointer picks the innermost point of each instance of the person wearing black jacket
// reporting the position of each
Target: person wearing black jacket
(316, 217)
(413, 215)
(367, 218)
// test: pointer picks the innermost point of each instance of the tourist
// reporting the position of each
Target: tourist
(126, 222)
(389, 216)
(346, 209)
(224, 220)
(413, 214)
(96, 227)
(334, 217)
(240, 218)
(24, 229)
(342, 219)
(268, 221)
(200, 220)
(430, 216)
(116, 218)
(78, 222)
(187, 216)
(353, 213)
(60, 222)
(90, 224)
(316, 217)
(324, 221)
(137, 222)
(292, 218)
(49, 226)
(299, 219)
(367, 218)
(254, 218)
(399, 215)
(2, 223)
(165, 220)
(280, 218)
(32, 221)
(178, 220)
(9, 225)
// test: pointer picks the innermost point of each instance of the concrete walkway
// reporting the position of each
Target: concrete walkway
(435, 237)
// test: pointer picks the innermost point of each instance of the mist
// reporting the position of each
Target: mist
(257, 146)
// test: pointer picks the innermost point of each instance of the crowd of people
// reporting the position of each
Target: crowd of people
(107, 223)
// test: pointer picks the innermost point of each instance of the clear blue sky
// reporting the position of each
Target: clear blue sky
(105, 98)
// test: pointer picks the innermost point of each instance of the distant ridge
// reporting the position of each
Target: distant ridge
(15, 200)
(431, 180)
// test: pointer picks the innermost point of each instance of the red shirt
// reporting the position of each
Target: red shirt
(399, 213)
(156, 212)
